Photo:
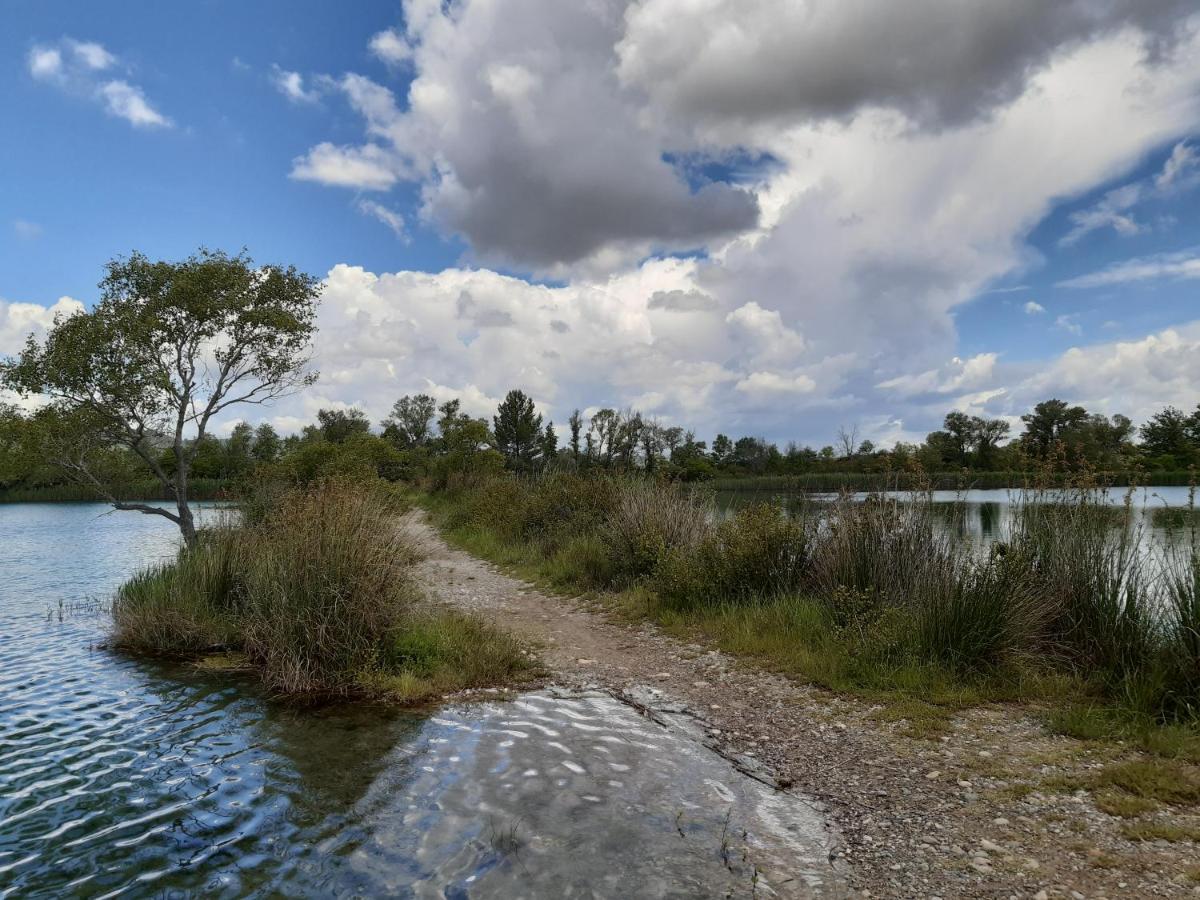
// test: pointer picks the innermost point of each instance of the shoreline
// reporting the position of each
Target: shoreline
(997, 805)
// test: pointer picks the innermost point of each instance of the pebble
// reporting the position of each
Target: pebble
(1000, 821)
(991, 846)
(932, 775)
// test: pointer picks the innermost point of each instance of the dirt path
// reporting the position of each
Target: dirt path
(985, 810)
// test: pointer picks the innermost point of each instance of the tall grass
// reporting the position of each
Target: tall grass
(883, 587)
(315, 590)
(833, 482)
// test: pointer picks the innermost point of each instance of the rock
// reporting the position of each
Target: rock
(991, 846)
(932, 775)
(662, 675)
(986, 754)
(1000, 821)
(963, 783)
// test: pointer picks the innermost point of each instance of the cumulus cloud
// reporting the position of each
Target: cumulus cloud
(19, 320)
(391, 47)
(291, 85)
(1177, 266)
(1033, 308)
(940, 62)
(367, 168)
(682, 301)
(84, 68)
(1069, 324)
(526, 143)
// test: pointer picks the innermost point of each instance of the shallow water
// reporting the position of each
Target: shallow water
(124, 777)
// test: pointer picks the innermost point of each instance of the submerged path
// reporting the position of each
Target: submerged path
(985, 809)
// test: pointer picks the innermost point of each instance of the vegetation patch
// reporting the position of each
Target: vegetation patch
(313, 590)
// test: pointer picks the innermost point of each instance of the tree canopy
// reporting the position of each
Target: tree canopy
(167, 348)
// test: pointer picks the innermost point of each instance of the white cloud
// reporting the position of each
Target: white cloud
(390, 47)
(19, 320)
(1069, 323)
(77, 66)
(388, 217)
(365, 168)
(1033, 308)
(1179, 164)
(291, 85)
(1112, 211)
(125, 101)
(758, 383)
(27, 230)
(1179, 266)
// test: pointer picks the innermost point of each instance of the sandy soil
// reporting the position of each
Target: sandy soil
(986, 810)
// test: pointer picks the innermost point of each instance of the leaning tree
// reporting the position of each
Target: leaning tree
(167, 348)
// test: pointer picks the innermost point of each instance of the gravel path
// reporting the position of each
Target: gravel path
(983, 811)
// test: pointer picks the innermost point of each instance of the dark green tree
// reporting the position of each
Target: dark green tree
(267, 445)
(411, 423)
(168, 347)
(339, 425)
(517, 427)
(1048, 424)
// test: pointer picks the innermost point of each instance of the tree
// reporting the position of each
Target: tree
(266, 444)
(339, 425)
(1048, 424)
(517, 426)
(411, 423)
(1172, 433)
(847, 439)
(576, 425)
(722, 450)
(988, 433)
(549, 443)
(168, 347)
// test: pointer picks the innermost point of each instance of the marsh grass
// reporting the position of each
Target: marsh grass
(316, 593)
(882, 597)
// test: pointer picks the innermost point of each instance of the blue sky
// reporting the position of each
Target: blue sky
(606, 205)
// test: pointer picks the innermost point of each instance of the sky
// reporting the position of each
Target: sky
(763, 217)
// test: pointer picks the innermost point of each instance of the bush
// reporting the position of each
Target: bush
(315, 590)
(757, 555)
(651, 520)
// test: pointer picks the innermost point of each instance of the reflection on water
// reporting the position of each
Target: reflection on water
(126, 777)
(1161, 514)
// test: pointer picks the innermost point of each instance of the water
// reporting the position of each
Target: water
(985, 516)
(121, 777)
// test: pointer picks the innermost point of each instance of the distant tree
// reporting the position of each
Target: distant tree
(168, 347)
(339, 425)
(266, 443)
(549, 442)
(517, 426)
(722, 450)
(847, 440)
(866, 448)
(576, 424)
(1048, 424)
(411, 423)
(1172, 433)
(237, 449)
(987, 435)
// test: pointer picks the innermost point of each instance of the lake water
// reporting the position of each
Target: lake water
(984, 516)
(123, 777)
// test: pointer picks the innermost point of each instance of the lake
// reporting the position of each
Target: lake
(124, 777)
(985, 516)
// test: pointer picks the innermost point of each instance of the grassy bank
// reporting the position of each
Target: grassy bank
(314, 590)
(200, 489)
(876, 597)
(833, 482)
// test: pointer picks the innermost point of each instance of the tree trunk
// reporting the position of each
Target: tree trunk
(187, 525)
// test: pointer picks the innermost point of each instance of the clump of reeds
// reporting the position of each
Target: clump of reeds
(316, 591)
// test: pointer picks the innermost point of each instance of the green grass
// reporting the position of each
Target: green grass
(1161, 831)
(874, 599)
(315, 593)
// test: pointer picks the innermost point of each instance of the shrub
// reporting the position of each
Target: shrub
(315, 591)
(649, 521)
(757, 555)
